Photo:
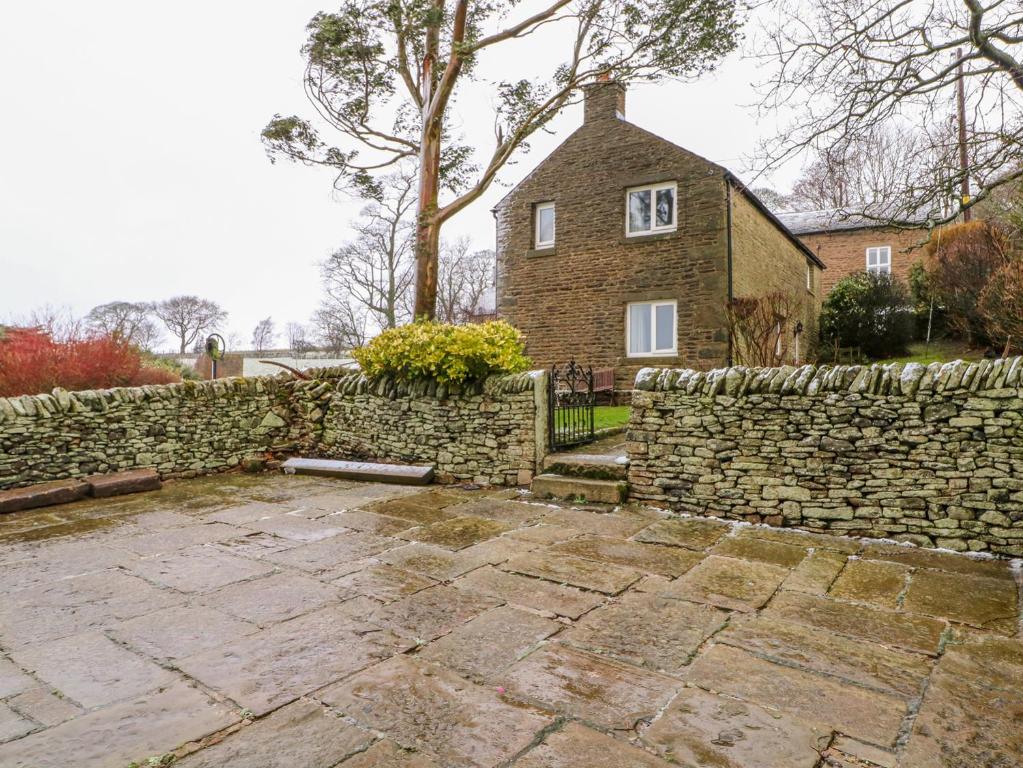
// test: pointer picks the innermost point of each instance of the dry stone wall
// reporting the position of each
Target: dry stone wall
(490, 433)
(928, 454)
(487, 433)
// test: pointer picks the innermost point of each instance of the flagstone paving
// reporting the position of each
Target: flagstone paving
(289, 622)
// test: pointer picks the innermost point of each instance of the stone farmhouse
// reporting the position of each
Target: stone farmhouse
(850, 243)
(622, 250)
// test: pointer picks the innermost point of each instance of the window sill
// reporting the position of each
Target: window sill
(652, 358)
(651, 238)
(534, 253)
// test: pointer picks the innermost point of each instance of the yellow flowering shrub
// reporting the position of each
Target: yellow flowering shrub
(447, 354)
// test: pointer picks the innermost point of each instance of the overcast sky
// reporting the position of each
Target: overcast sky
(132, 167)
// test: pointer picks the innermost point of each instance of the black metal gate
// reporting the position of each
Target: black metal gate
(570, 406)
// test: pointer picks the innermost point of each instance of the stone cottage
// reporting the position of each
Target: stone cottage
(850, 243)
(622, 250)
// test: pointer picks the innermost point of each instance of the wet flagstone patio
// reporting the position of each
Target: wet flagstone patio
(283, 622)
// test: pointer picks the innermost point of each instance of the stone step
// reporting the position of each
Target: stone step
(591, 465)
(120, 483)
(398, 474)
(562, 487)
(42, 495)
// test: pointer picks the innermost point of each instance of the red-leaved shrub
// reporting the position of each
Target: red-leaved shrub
(31, 362)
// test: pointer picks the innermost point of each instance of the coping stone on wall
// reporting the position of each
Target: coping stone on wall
(907, 380)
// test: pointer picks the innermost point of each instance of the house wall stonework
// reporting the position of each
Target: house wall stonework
(845, 252)
(931, 455)
(491, 433)
(569, 301)
(764, 261)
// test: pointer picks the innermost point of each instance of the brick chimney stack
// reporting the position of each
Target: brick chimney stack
(603, 100)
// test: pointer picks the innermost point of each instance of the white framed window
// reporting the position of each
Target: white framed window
(651, 209)
(651, 328)
(879, 260)
(543, 236)
(809, 277)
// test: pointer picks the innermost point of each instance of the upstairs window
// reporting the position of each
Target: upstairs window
(651, 209)
(650, 328)
(543, 237)
(879, 260)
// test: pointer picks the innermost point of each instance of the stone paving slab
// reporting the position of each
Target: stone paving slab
(67, 606)
(739, 585)
(864, 663)
(199, 569)
(487, 645)
(647, 630)
(431, 613)
(565, 569)
(868, 715)
(272, 599)
(872, 581)
(422, 706)
(149, 544)
(979, 601)
(13, 679)
(370, 522)
(600, 523)
(704, 729)
(587, 687)
(44, 706)
(913, 633)
(173, 633)
(116, 736)
(92, 669)
(540, 595)
(382, 582)
(296, 528)
(682, 532)
(458, 532)
(942, 561)
(434, 562)
(267, 669)
(649, 558)
(300, 735)
(387, 754)
(334, 551)
(12, 724)
(575, 745)
(406, 509)
(815, 573)
(760, 550)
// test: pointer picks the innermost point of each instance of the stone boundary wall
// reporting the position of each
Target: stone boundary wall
(928, 454)
(493, 432)
(487, 433)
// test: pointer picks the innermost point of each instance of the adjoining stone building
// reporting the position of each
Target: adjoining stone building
(621, 250)
(849, 243)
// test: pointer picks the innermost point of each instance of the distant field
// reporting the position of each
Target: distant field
(941, 351)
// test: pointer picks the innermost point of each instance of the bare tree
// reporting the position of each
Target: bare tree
(374, 271)
(263, 334)
(758, 328)
(188, 317)
(58, 322)
(850, 65)
(299, 341)
(129, 321)
(465, 278)
(341, 328)
(776, 201)
(861, 174)
(385, 76)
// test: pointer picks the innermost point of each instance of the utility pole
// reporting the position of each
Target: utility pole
(963, 159)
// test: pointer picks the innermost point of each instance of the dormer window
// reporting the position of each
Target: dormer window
(651, 209)
(543, 235)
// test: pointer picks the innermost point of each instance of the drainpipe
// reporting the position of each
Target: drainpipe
(728, 218)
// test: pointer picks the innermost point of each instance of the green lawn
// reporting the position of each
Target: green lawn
(607, 416)
(941, 351)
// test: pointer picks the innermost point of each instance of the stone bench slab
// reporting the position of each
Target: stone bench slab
(119, 483)
(398, 474)
(42, 495)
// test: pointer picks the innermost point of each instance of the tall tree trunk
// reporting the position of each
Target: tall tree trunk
(427, 223)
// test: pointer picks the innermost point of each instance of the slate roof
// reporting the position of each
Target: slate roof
(833, 220)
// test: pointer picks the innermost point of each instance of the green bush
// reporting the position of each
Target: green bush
(869, 311)
(444, 353)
